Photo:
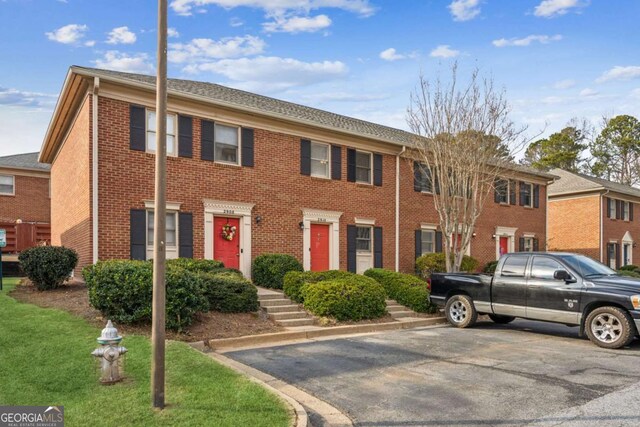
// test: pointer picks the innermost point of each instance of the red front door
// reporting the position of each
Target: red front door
(319, 247)
(504, 245)
(226, 249)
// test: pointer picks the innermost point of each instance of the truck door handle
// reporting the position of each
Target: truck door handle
(534, 286)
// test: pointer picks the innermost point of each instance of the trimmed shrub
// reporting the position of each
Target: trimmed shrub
(268, 270)
(229, 292)
(122, 291)
(294, 280)
(629, 273)
(490, 267)
(196, 265)
(48, 266)
(353, 298)
(629, 267)
(406, 289)
(436, 263)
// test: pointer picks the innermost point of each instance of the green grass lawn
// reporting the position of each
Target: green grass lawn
(45, 359)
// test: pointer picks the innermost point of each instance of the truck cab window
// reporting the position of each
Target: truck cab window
(514, 266)
(543, 268)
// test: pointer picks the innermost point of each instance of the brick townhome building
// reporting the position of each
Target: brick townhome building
(595, 217)
(333, 191)
(24, 189)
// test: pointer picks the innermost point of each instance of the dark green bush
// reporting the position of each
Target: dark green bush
(406, 289)
(436, 263)
(229, 292)
(48, 266)
(122, 291)
(196, 265)
(268, 270)
(490, 267)
(294, 280)
(629, 267)
(353, 298)
(629, 273)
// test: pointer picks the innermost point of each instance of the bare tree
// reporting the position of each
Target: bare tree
(464, 141)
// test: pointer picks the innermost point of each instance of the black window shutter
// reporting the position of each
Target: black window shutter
(185, 136)
(351, 248)
(418, 243)
(438, 241)
(497, 186)
(138, 234)
(512, 192)
(436, 183)
(305, 157)
(336, 162)
(137, 129)
(207, 135)
(417, 177)
(630, 211)
(377, 247)
(377, 170)
(351, 165)
(521, 245)
(247, 147)
(618, 209)
(609, 254)
(185, 235)
(536, 196)
(617, 246)
(607, 201)
(523, 189)
(536, 244)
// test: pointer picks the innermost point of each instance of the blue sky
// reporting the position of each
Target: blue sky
(556, 59)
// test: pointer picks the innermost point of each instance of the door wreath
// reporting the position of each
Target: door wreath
(228, 231)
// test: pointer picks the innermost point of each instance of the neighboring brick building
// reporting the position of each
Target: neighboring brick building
(24, 189)
(289, 178)
(595, 217)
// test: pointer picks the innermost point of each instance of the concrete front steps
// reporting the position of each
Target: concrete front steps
(398, 311)
(282, 310)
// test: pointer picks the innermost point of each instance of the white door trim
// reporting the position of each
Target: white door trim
(509, 232)
(331, 218)
(627, 240)
(229, 209)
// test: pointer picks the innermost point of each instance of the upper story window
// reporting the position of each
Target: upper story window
(526, 194)
(7, 185)
(423, 178)
(320, 160)
(502, 191)
(363, 167)
(613, 208)
(172, 147)
(428, 243)
(625, 210)
(226, 143)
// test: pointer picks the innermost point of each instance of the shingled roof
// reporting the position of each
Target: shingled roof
(24, 161)
(571, 182)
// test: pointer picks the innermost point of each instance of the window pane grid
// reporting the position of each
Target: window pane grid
(226, 143)
(363, 167)
(363, 239)
(428, 241)
(151, 133)
(319, 160)
(171, 228)
(6, 184)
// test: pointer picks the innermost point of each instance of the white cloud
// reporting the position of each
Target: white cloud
(199, 50)
(564, 84)
(635, 93)
(121, 35)
(9, 96)
(121, 61)
(172, 32)
(270, 73)
(620, 73)
(444, 51)
(588, 93)
(90, 43)
(343, 97)
(526, 41)
(361, 7)
(552, 100)
(297, 24)
(464, 10)
(551, 8)
(391, 55)
(69, 34)
(236, 22)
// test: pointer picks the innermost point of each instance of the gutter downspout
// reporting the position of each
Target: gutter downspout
(94, 167)
(602, 195)
(398, 208)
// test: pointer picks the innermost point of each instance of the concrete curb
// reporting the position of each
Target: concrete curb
(278, 337)
(290, 394)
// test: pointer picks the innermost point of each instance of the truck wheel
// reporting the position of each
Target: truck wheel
(609, 327)
(501, 320)
(460, 311)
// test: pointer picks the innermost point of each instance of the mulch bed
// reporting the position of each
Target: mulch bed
(73, 297)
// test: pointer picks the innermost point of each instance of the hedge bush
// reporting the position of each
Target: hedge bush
(196, 265)
(122, 291)
(629, 267)
(48, 266)
(268, 270)
(294, 280)
(229, 292)
(351, 298)
(436, 263)
(406, 289)
(629, 273)
(490, 267)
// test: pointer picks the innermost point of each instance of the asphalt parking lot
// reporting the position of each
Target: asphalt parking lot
(525, 373)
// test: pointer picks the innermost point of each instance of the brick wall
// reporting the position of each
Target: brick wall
(574, 225)
(71, 189)
(613, 230)
(31, 201)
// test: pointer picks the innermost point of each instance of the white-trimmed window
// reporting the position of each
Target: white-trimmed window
(226, 143)
(320, 160)
(363, 239)
(172, 146)
(528, 244)
(363, 167)
(612, 208)
(7, 185)
(502, 191)
(527, 194)
(428, 241)
(171, 241)
(625, 210)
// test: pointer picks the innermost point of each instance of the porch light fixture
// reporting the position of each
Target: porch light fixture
(301, 225)
(258, 219)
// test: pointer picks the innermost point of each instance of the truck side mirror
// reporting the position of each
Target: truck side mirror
(563, 275)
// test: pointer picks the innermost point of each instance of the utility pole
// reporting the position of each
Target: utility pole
(160, 216)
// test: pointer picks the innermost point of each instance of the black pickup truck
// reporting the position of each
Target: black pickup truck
(549, 286)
